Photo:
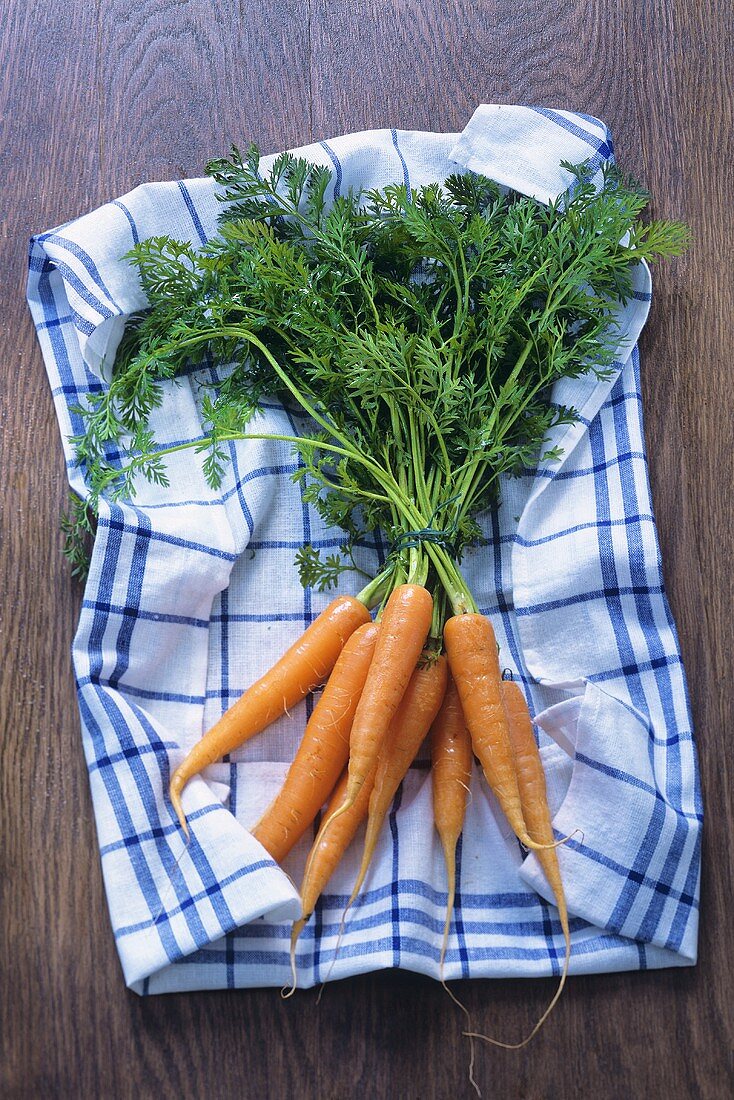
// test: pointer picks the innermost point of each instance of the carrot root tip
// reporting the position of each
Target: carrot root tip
(459, 1004)
(176, 803)
(554, 1001)
(298, 926)
(534, 846)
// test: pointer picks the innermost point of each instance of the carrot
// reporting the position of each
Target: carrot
(472, 652)
(451, 756)
(323, 751)
(531, 782)
(407, 731)
(404, 627)
(301, 668)
(418, 708)
(327, 849)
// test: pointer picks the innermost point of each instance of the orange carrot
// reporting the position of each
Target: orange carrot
(452, 759)
(472, 652)
(301, 668)
(451, 756)
(407, 731)
(531, 782)
(418, 708)
(404, 627)
(327, 849)
(323, 752)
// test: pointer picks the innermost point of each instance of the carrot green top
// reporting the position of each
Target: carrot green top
(420, 331)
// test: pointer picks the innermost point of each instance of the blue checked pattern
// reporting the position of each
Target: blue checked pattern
(192, 594)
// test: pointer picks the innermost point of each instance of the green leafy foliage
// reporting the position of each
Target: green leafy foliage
(421, 333)
(78, 527)
(318, 571)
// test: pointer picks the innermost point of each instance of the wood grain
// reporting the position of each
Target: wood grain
(182, 82)
(94, 99)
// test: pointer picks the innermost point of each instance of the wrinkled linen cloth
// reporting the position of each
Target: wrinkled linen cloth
(192, 594)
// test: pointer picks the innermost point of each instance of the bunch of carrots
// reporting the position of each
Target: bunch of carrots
(418, 334)
(390, 684)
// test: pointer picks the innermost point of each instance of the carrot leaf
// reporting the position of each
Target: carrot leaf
(414, 336)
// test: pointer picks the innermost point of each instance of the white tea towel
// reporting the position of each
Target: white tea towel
(192, 594)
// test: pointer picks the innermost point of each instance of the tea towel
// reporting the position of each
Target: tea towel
(192, 594)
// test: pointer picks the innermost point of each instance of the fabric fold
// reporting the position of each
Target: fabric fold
(615, 802)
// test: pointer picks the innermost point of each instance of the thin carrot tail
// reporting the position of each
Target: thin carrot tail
(339, 937)
(563, 917)
(364, 867)
(346, 805)
(536, 816)
(342, 928)
(449, 854)
(374, 825)
(450, 899)
(533, 845)
(471, 1036)
(350, 902)
(178, 782)
(296, 930)
(528, 1038)
(171, 881)
(549, 1009)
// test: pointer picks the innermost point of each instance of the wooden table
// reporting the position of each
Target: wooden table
(95, 98)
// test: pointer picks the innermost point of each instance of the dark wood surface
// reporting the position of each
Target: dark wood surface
(95, 98)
